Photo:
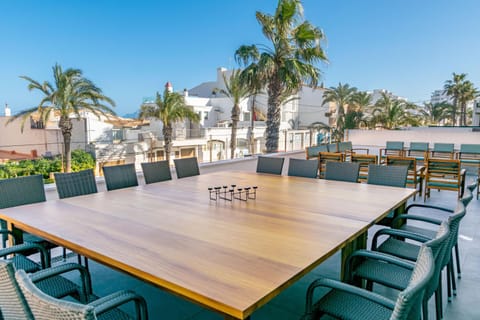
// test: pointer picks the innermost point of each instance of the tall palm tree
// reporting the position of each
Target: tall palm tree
(361, 102)
(453, 89)
(468, 93)
(288, 62)
(68, 95)
(169, 109)
(236, 89)
(342, 95)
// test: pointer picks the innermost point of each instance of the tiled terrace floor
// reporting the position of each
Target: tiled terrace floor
(290, 303)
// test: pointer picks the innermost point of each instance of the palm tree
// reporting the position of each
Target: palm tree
(453, 89)
(392, 113)
(342, 96)
(435, 113)
(253, 81)
(237, 90)
(288, 62)
(70, 94)
(169, 109)
(468, 93)
(361, 102)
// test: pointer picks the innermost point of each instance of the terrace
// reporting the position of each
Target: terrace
(290, 303)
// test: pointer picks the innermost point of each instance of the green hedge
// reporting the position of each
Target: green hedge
(81, 160)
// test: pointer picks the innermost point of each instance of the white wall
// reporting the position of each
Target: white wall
(422, 134)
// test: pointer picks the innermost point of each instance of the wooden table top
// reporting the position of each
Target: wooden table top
(231, 257)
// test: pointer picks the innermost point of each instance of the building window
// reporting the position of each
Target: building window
(36, 124)
(206, 116)
(117, 135)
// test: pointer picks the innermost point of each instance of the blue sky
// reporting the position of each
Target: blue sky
(130, 49)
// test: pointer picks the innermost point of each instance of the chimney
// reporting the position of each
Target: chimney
(8, 112)
(169, 87)
(185, 92)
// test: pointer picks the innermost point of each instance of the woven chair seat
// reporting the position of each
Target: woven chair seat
(23, 263)
(113, 314)
(344, 305)
(59, 287)
(399, 248)
(384, 273)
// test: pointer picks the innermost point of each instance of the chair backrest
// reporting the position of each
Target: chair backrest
(394, 145)
(303, 168)
(394, 176)
(443, 150)
(454, 224)
(342, 171)
(363, 160)
(45, 307)
(419, 146)
(444, 172)
(74, 184)
(344, 146)
(312, 152)
(470, 148)
(186, 167)
(333, 147)
(419, 150)
(121, 176)
(470, 151)
(439, 246)
(156, 171)
(270, 165)
(12, 302)
(409, 301)
(21, 190)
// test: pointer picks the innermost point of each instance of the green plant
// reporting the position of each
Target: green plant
(82, 160)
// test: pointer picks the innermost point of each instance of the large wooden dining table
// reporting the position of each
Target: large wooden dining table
(231, 257)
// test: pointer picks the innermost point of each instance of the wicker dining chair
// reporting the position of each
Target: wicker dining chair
(432, 217)
(157, 171)
(73, 184)
(390, 271)
(22, 191)
(414, 176)
(120, 176)
(186, 167)
(408, 251)
(342, 171)
(302, 168)
(345, 301)
(271, 165)
(45, 307)
(395, 148)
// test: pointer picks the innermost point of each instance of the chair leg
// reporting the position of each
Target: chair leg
(457, 258)
(449, 284)
(438, 303)
(452, 278)
(425, 309)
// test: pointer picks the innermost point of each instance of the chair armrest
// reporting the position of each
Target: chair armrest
(27, 247)
(363, 253)
(119, 298)
(337, 285)
(417, 218)
(65, 268)
(397, 233)
(427, 206)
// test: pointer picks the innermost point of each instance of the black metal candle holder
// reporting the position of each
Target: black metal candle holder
(230, 193)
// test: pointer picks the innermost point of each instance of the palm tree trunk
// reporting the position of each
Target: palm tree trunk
(251, 138)
(167, 136)
(464, 114)
(233, 139)
(273, 115)
(454, 112)
(65, 125)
